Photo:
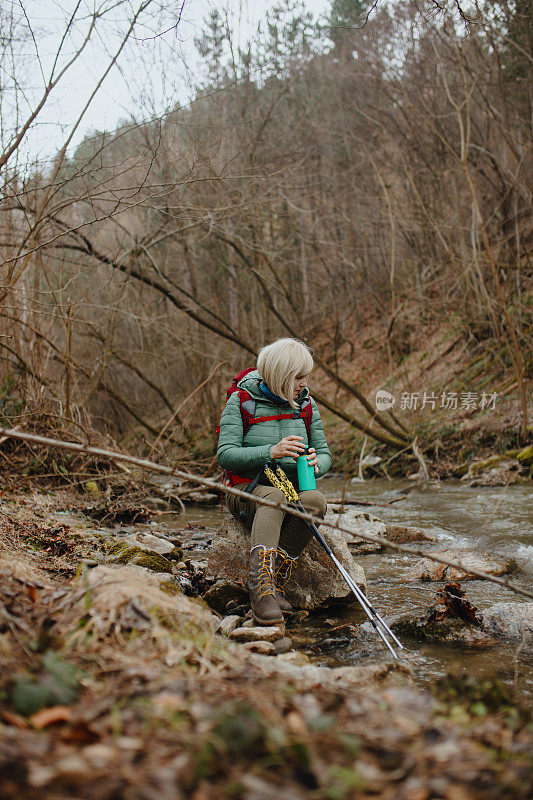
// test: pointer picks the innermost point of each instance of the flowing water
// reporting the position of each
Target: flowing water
(495, 520)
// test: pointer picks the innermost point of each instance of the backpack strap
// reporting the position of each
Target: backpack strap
(305, 413)
(292, 415)
(232, 479)
(248, 405)
(306, 410)
(235, 383)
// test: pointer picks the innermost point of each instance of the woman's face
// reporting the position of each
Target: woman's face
(300, 382)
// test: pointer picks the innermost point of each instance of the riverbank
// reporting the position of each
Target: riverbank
(115, 684)
(456, 395)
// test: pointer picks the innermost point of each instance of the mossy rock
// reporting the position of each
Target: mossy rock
(170, 588)
(478, 467)
(175, 555)
(152, 561)
(461, 469)
(120, 553)
(525, 456)
(117, 548)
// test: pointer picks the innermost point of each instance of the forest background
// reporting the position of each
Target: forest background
(361, 181)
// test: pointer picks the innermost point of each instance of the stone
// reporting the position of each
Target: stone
(263, 647)
(397, 533)
(427, 570)
(525, 456)
(359, 522)
(494, 471)
(307, 677)
(295, 658)
(283, 645)
(370, 675)
(122, 553)
(447, 631)
(199, 564)
(126, 595)
(90, 563)
(338, 636)
(477, 468)
(510, 620)
(228, 624)
(223, 592)
(451, 619)
(267, 633)
(156, 503)
(153, 544)
(315, 582)
(202, 498)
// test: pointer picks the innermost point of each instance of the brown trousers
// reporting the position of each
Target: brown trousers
(273, 527)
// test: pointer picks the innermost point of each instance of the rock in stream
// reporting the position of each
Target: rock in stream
(315, 581)
(510, 621)
(427, 570)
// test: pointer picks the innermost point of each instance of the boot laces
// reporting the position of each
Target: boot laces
(283, 569)
(265, 582)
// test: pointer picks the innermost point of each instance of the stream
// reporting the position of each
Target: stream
(492, 519)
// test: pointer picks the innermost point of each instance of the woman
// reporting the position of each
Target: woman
(272, 417)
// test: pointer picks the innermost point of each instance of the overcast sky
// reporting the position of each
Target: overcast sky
(152, 74)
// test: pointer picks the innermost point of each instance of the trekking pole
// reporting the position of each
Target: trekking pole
(243, 516)
(282, 482)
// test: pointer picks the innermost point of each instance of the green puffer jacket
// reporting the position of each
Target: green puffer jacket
(244, 456)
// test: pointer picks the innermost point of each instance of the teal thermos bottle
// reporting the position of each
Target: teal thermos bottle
(306, 473)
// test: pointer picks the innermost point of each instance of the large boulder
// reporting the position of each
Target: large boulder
(510, 620)
(315, 582)
(358, 523)
(127, 598)
(428, 570)
(499, 470)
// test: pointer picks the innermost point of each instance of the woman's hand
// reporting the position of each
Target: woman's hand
(290, 446)
(313, 459)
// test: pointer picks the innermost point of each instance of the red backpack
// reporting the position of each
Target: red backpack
(248, 405)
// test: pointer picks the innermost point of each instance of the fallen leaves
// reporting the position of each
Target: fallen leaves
(50, 716)
(451, 601)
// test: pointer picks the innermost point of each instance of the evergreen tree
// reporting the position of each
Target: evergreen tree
(211, 46)
(345, 17)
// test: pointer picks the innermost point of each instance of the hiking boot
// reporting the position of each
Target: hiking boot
(265, 607)
(283, 565)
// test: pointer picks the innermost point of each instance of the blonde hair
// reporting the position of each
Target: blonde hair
(280, 362)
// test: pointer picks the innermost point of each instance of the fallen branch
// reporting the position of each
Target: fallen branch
(188, 476)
